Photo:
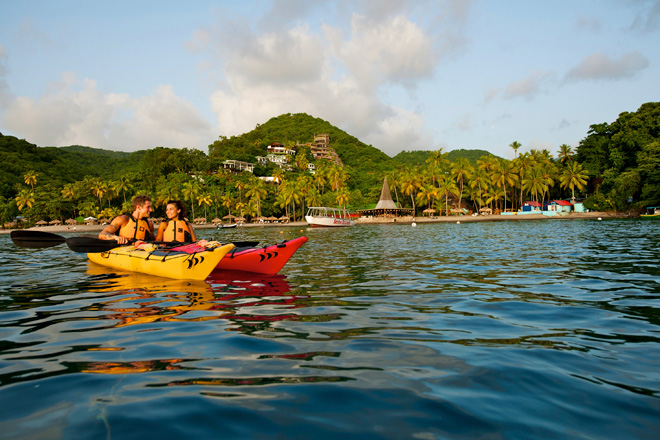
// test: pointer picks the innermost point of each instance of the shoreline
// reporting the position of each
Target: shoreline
(365, 221)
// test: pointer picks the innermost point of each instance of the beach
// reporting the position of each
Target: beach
(363, 221)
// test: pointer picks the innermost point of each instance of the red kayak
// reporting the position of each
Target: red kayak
(266, 260)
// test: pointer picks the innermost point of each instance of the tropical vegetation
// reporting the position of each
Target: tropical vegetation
(616, 167)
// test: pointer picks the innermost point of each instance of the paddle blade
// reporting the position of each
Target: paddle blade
(35, 239)
(90, 245)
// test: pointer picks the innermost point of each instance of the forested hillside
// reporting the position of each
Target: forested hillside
(616, 166)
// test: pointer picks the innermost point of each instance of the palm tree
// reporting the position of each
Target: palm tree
(427, 194)
(99, 188)
(479, 180)
(461, 170)
(190, 189)
(313, 197)
(239, 186)
(216, 196)
(446, 186)
(504, 174)
(25, 198)
(574, 176)
(515, 145)
(257, 191)
(565, 153)
(227, 201)
(438, 162)
(410, 182)
(30, 178)
(122, 185)
(343, 197)
(206, 199)
(282, 200)
(522, 163)
(534, 182)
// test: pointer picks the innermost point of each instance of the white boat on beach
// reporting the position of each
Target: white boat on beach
(328, 217)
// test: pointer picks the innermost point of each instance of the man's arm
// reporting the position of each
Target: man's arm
(110, 231)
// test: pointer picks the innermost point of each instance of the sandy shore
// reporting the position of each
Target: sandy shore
(364, 221)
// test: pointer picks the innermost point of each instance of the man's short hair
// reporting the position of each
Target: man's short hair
(139, 201)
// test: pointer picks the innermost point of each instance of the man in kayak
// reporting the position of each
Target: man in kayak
(134, 226)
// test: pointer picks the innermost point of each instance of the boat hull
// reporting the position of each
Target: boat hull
(328, 222)
(168, 264)
(267, 260)
(650, 216)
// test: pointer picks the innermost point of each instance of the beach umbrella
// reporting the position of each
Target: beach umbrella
(71, 221)
(272, 219)
(90, 218)
(216, 221)
(228, 217)
(284, 218)
(41, 223)
(55, 222)
(429, 211)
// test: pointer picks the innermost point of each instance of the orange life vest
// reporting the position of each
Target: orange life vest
(136, 229)
(177, 231)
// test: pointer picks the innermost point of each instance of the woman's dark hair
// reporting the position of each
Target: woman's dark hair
(179, 205)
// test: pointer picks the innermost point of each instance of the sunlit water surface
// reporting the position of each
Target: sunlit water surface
(530, 329)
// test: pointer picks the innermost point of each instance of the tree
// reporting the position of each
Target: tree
(256, 190)
(25, 198)
(122, 185)
(515, 145)
(410, 183)
(461, 170)
(446, 186)
(205, 199)
(503, 174)
(190, 189)
(565, 153)
(534, 182)
(573, 176)
(30, 178)
(343, 197)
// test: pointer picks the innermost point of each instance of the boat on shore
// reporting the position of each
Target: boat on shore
(221, 226)
(328, 217)
(651, 213)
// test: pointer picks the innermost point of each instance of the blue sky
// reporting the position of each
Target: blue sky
(399, 75)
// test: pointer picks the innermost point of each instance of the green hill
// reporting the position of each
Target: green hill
(57, 166)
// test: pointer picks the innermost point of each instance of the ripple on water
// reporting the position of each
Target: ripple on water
(528, 329)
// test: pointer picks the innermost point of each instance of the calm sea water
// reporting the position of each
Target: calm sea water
(516, 330)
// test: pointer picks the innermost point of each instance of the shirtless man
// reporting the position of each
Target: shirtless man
(135, 226)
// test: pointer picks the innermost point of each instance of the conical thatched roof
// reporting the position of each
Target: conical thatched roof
(385, 201)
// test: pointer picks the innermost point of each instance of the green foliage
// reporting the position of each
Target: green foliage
(419, 157)
(624, 158)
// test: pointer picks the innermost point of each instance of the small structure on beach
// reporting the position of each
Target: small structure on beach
(386, 206)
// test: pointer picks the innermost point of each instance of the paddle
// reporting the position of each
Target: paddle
(91, 245)
(35, 239)
(40, 239)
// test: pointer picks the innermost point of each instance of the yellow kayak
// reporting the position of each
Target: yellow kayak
(163, 263)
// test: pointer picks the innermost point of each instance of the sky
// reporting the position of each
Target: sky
(396, 74)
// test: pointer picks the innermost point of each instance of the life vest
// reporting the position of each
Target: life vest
(136, 229)
(177, 231)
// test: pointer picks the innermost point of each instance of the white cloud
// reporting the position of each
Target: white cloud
(75, 112)
(599, 66)
(320, 74)
(529, 87)
(396, 51)
(5, 93)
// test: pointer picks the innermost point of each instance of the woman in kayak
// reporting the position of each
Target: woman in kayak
(175, 228)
